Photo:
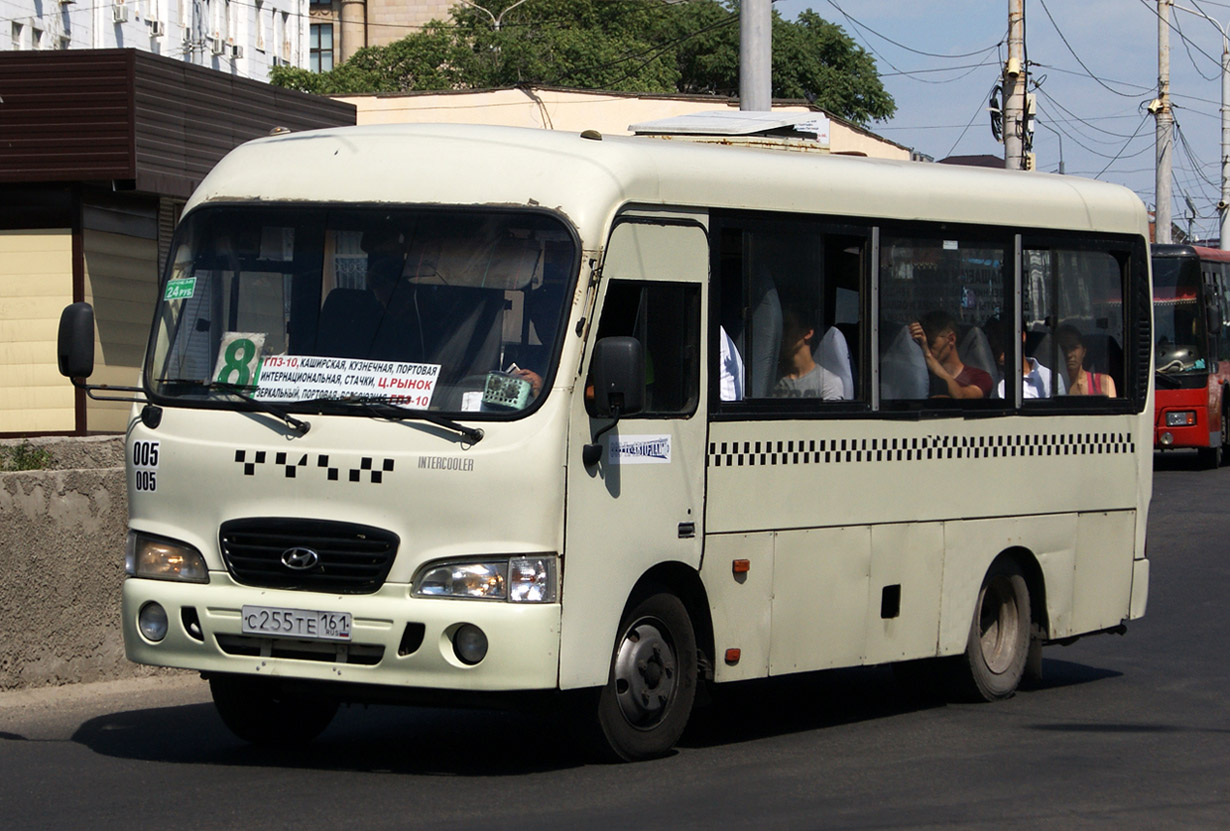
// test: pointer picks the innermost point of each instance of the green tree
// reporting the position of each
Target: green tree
(623, 46)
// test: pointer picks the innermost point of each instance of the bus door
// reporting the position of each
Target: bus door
(641, 503)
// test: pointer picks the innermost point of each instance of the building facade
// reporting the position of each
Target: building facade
(339, 28)
(244, 38)
(101, 149)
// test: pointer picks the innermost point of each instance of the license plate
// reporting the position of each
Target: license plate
(296, 623)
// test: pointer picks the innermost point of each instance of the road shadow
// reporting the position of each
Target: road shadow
(378, 738)
(762, 708)
(451, 742)
(1177, 460)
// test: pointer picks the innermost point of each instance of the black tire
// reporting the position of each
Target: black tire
(998, 645)
(646, 703)
(1209, 458)
(259, 711)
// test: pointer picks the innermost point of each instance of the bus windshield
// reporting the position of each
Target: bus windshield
(448, 311)
(1177, 326)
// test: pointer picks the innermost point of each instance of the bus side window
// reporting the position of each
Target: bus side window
(1074, 298)
(937, 296)
(665, 318)
(789, 310)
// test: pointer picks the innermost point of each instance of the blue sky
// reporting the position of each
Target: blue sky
(1093, 114)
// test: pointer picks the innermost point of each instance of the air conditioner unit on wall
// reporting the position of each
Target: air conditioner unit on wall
(236, 52)
(217, 46)
(156, 28)
(119, 13)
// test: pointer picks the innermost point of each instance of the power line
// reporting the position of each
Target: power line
(853, 21)
(1153, 11)
(1089, 71)
(1187, 47)
(1074, 118)
(1120, 155)
(981, 109)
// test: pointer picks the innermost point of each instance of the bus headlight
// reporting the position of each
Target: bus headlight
(157, 558)
(512, 579)
(1180, 418)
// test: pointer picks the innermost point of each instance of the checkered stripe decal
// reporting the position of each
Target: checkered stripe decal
(828, 451)
(319, 461)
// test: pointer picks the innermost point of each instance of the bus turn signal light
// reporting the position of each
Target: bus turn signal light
(733, 655)
(741, 566)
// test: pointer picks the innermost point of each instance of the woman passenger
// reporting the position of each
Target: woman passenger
(1080, 380)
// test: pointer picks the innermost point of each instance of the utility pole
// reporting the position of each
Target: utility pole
(756, 55)
(1165, 126)
(1015, 77)
(1223, 206)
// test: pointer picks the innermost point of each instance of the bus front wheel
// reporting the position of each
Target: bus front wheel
(998, 644)
(259, 711)
(646, 703)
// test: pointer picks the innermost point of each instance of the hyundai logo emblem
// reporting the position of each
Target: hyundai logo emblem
(300, 559)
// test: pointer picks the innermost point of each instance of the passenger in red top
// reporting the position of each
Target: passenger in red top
(936, 335)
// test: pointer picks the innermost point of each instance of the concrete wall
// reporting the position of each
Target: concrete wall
(61, 564)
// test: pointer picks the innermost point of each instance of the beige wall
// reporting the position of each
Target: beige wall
(121, 283)
(392, 20)
(574, 111)
(36, 283)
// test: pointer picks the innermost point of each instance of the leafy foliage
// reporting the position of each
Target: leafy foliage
(24, 456)
(625, 46)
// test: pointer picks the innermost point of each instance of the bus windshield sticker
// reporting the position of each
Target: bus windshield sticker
(239, 358)
(304, 377)
(640, 450)
(181, 289)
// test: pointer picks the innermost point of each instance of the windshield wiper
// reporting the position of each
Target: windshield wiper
(297, 424)
(383, 408)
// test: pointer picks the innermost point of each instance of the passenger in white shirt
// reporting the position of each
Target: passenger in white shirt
(1037, 381)
(730, 384)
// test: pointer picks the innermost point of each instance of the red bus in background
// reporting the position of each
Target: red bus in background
(1191, 310)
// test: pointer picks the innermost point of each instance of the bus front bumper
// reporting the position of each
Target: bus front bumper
(396, 640)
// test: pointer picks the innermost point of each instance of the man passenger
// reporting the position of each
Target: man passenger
(936, 334)
(801, 376)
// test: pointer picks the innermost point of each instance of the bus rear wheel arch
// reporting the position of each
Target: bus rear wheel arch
(1000, 635)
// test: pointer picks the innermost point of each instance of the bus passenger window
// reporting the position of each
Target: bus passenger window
(665, 318)
(937, 297)
(788, 313)
(1074, 325)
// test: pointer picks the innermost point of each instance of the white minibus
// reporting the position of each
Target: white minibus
(472, 414)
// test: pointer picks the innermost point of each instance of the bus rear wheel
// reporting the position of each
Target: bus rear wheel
(646, 703)
(259, 711)
(998, 645)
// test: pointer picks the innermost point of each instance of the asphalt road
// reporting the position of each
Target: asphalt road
(1124, 732)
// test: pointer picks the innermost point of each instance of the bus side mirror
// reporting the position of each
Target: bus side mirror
(618, 373)
(619, 377)
(75, 344)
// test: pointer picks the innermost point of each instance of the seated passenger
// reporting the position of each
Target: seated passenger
(801, 376)
(936, 334)
(730, 384)
(1036, 379)
(1080, 380)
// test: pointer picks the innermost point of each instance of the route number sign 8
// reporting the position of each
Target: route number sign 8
(239, 358)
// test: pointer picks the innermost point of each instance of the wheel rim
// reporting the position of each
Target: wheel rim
(999, 625)
(646, 674)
